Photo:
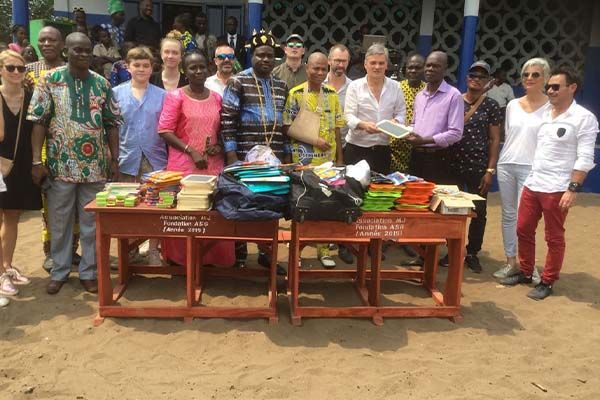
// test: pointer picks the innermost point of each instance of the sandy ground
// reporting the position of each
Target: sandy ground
(505, 345)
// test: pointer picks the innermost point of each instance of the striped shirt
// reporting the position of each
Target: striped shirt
(252, 112)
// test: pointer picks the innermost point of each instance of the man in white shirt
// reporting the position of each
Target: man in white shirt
(224, 58)
(370, 100)
(338, 59)
(563, 157)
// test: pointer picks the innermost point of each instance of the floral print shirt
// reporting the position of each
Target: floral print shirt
(76, 113)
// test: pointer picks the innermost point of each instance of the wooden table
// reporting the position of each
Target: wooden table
(196, 227)
(372, 229)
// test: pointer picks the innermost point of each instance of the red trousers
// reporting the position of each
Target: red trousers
(532, 207)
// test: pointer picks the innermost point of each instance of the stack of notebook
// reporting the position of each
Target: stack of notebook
(260, 178)
(381, 196)
(161, 184)
(416, 196)
(196, 191)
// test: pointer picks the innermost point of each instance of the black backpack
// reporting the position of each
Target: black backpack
(235, 201)
(312, 199)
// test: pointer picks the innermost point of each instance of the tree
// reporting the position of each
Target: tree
(38, 9)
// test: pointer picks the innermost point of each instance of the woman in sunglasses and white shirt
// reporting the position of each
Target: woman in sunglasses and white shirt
(523, 119)
(15, 144)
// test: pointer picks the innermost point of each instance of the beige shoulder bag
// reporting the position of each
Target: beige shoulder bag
(305, 127)
(6, 164)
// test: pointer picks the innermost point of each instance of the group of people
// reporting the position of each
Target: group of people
(76, 130)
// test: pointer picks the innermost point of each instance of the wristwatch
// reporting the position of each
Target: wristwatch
(575, 187)
(491, 171)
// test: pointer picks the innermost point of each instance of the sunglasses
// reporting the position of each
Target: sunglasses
(225, 56)
(75, 9)
(11, 68)
(554, 86)
(534, 75)
(295, 45)
(477, 76)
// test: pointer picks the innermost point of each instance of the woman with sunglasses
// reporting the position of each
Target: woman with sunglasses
(171, 52)
(189, 123)
(523, 119)
(21, 194)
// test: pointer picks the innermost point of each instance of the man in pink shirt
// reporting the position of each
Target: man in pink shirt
(437, 123)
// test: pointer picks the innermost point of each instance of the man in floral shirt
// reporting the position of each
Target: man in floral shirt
(72, 108)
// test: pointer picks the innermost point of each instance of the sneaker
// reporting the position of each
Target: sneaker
(473, 263)
(536, 279)
(540, 292)
(515, 279)
(4, 301)
(506, 271)
(7, 288)
(144, 248)
(443, 262)
(48, 265)
(345, 254)
(153, 257)
(16, 277)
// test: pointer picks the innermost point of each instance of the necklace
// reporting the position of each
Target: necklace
(261, 95)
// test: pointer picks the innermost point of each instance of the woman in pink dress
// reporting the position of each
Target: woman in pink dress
(189, 124)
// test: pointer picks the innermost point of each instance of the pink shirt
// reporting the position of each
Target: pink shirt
(439, 115)
(192, 121)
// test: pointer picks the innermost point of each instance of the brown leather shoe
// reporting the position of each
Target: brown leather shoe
(90, 285)
(54, 286)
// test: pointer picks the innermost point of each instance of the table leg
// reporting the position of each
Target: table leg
(273, 281)
(361, 265)
(190, 263)
(456, 250)
(294, 274)
(103, 261)
(430, 266)
(375, 279)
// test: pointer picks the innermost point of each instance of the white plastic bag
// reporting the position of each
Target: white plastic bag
(361, 171)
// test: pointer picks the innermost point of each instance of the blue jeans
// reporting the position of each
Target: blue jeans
(511, 178)
(65, 199)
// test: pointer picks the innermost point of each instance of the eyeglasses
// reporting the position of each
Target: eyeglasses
(554, 86)
(477, 76)
(338, 61)
(11, 68)
(75, 9)
(225, 56)
(534, 75)
(296, 45)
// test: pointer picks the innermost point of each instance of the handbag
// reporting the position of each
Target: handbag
(312, 199)
(305, 127)
(6, 164)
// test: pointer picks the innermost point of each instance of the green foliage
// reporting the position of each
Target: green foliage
(38, 9)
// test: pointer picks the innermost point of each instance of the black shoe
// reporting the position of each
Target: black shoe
(76, 259)
(443, 262)
(265, 261)
(515, 279)
(540, 292)
(473, 263)
(408, 250)
(345, 254)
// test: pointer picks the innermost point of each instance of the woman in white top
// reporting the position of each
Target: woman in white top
(523, 119)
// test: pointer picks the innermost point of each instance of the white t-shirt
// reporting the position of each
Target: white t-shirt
(214, 83)
(520, 134)
(361, 105)
(502, 94)
(564, 144)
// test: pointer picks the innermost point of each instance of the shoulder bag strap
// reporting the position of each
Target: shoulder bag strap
(19, 126)
(474, 107)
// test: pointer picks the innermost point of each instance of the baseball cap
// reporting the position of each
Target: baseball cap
(481, 64)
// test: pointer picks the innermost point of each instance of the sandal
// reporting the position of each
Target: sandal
(16, 277)
(327, 262)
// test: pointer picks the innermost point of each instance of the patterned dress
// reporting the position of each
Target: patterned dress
(401, 149)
